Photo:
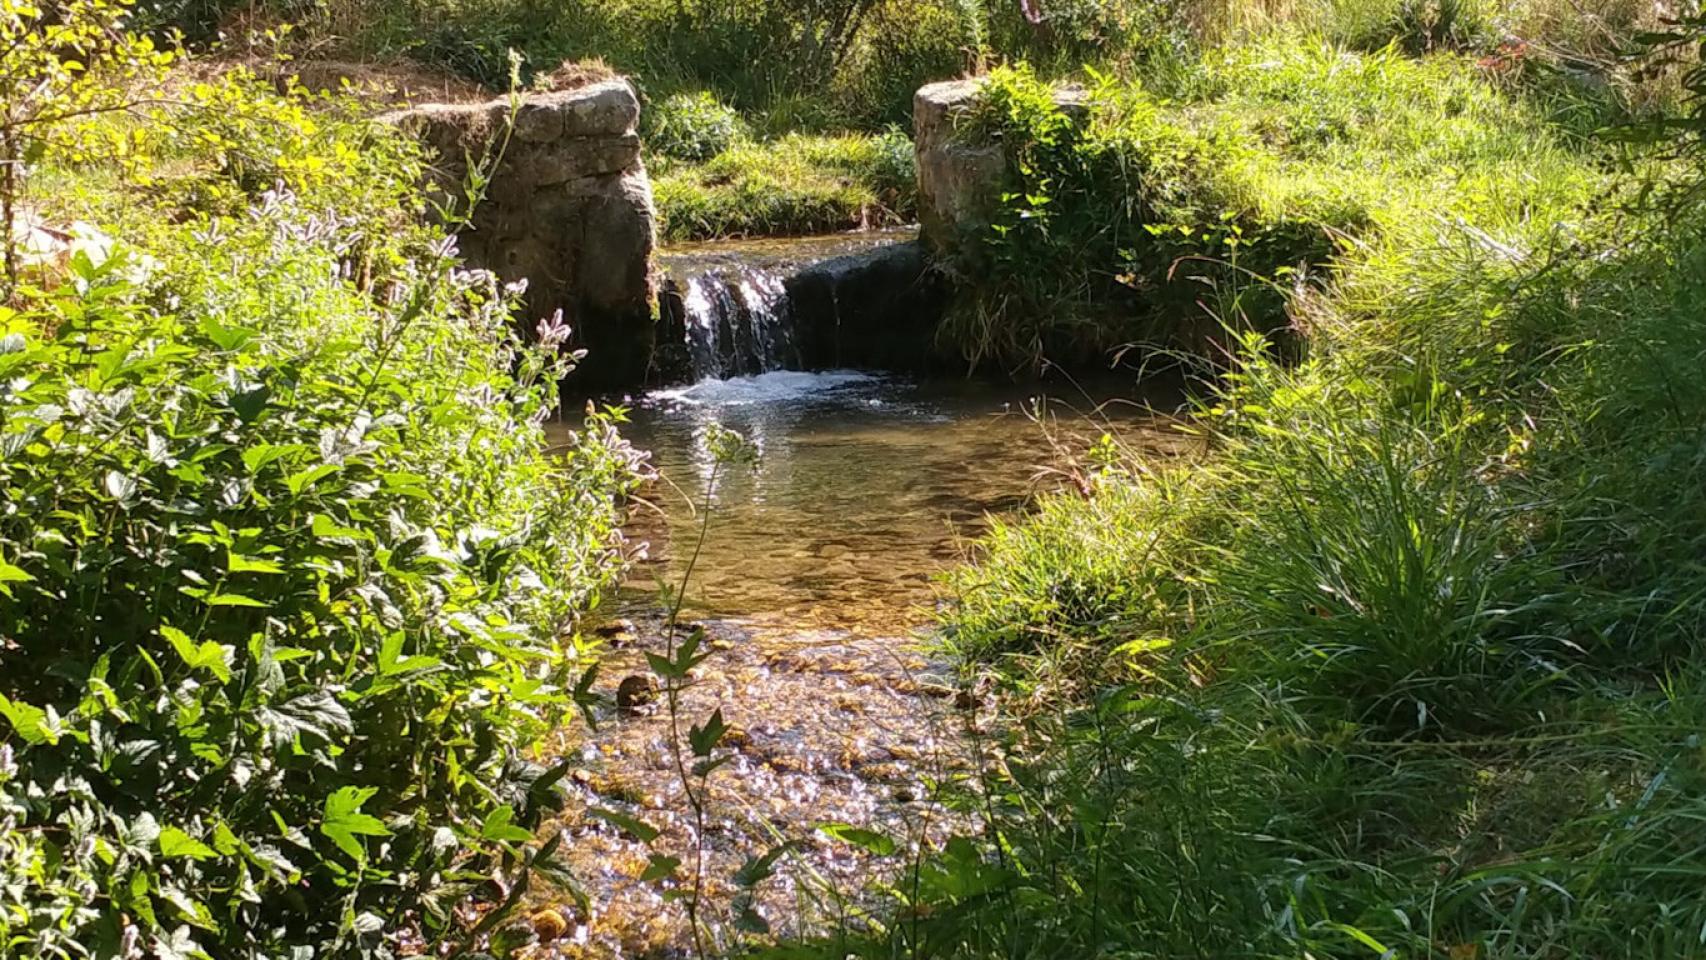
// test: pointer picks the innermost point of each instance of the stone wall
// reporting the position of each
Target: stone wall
(569, 208)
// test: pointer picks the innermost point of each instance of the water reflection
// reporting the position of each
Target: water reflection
(865, 487)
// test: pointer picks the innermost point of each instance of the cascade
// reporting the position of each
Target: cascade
(745, 308)
(738, 321)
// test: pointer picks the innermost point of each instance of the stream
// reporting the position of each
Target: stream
(816, 585)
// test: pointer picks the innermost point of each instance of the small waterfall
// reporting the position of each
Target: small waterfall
(739, 322)
(741, 308)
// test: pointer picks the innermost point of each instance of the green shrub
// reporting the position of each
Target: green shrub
(1157, 222)
(287, 582)
(691, 126)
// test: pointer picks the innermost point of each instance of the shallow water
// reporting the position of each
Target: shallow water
(815, 578)
(816, 585)
(865, 487)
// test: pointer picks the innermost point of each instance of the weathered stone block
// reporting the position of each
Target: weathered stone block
(959, 182)
(569, 209)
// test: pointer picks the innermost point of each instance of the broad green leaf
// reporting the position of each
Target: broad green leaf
(176, 843)
(704, 739)
(499, 826)
(390, 657)
(32, 722)
(260, 455)
(12, 574)
(344, 820)
(868, 840)
(317, 714)
(236, 563)
(225, 841)
(233, 600)
(303, 479)
(324, 528)
(213, 657)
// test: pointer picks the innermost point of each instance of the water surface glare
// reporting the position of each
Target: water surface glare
(865, 487)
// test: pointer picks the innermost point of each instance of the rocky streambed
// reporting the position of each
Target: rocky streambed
(815, 590)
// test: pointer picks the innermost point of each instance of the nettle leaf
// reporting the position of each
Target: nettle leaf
(258, 456)
(176, 843)
(236, 563)
(213, 657)
(392, 662)
(499, 826)
(34, 724)
(868, 840)
(225, 841)
(344, 820)
(120, 486)
(226, 337)
(250, 404)
(325, 528)
(303, 479)
(317, 714)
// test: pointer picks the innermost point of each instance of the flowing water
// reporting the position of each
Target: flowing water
(816, 585)
(738, 316)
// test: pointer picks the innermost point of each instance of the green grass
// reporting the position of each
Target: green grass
(798, 184)
(1408, 664)
(1163, 219)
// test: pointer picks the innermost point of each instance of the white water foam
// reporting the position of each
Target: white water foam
(777, 386)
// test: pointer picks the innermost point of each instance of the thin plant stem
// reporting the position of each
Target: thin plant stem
(672, 694)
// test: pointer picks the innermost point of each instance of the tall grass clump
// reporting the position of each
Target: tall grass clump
(1407, 664)
(288, 588)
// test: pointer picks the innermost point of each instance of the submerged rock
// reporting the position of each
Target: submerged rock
(569, 209)
(635, 693)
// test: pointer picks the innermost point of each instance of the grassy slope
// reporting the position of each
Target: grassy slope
(1411, 663)
(793, 185)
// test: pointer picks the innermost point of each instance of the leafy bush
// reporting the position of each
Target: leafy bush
(1158, 222)
(691, 126)
(288, 584)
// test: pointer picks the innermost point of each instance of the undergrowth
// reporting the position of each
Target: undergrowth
(1158, 221)
(288, 587)
(1408, 663)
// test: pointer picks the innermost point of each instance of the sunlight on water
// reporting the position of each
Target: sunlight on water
(816, 576)
(866, 486)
